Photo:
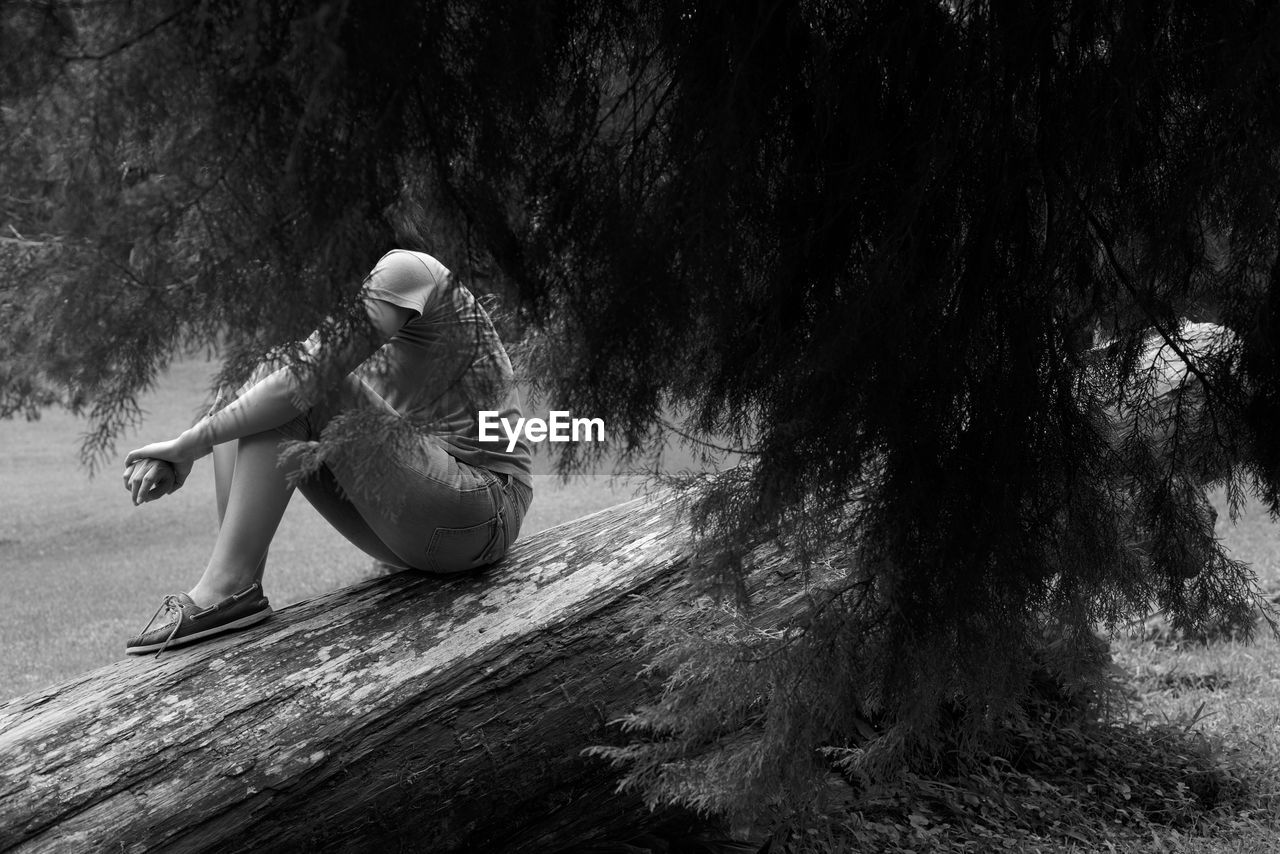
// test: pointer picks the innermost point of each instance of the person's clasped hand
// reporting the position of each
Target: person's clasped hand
(156, 470)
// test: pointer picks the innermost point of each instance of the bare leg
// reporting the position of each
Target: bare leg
(224, 466)
(249, 469)
(252, 493)
(251, 512)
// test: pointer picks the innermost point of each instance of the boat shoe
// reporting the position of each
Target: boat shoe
(187, 622)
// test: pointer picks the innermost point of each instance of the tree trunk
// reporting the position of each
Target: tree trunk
(405, 712)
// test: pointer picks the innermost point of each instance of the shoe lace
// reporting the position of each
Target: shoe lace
(170, 603)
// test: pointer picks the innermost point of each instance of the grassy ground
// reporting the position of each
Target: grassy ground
(1225, 694)
(81, 568)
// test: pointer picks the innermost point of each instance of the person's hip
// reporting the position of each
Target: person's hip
(477, 525)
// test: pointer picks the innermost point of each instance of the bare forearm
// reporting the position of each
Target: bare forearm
(270, 402)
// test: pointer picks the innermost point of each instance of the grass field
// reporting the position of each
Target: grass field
(82, 569)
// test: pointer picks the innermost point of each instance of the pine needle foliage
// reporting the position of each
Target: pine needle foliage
(927, 261)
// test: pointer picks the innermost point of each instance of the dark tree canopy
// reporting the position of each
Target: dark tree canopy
(873, 242)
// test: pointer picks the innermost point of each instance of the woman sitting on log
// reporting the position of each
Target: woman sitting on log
(444, 501)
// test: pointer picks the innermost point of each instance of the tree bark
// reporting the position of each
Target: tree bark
(408, 712)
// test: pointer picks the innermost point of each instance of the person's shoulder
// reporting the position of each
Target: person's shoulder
(409, 263)
(407, 278)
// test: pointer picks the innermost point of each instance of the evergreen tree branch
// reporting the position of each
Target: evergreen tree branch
(133, 40)
(1105, 240)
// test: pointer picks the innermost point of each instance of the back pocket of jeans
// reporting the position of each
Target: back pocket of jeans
(460, 549)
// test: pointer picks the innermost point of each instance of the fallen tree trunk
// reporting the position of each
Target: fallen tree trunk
(405, 712)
